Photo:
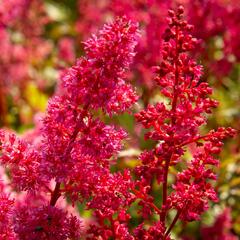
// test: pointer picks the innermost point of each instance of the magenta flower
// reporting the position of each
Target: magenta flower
(175, 125)
(99, 80)
(45, 222)
(74, 148)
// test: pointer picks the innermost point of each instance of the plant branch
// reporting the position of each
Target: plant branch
(172, 224)
(55, 194)
(141, 196)
(174, 105)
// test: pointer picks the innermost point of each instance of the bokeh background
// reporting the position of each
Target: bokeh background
(40, 38)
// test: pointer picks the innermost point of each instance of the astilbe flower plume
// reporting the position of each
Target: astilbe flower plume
(175, 126)
(74, 147)
(22, 160)
(98, 81)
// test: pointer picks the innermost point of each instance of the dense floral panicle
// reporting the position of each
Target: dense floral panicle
(59, 133)
(84, 176)
(45, 222)
(114, 38)
(71, 135)
(187, 96)
(193, 189)
(220, 229)
(179, 78)
(111, 193)
(23, 161)
(176, 124)
(98, 81)
(177, 75)
(99, 140)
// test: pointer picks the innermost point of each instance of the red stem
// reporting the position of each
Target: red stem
(164, 201)
(174, 105)
(172, 224)
(175, 88)
(141, 196)
(55, 194)
(47, 188)
(192, 140)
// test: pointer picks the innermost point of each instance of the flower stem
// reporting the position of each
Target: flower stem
(164, 201)
(174, 105)
(141, 196)
(172, 224)
(55, 194)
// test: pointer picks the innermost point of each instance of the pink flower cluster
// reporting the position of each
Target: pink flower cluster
(175, 125)
(98, 81)
(75, 147)
(72, 157)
